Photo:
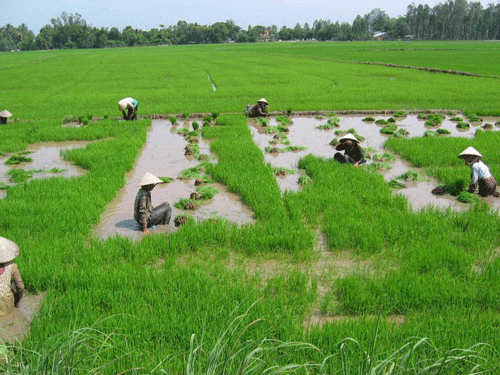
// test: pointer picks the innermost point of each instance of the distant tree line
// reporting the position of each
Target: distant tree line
(452, 20)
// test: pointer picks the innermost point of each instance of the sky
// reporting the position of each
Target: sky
(148, 14)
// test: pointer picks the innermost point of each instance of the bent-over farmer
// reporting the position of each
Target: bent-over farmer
(481, 176)
(259, 109)
(352, 151)
(131, 105)
(11, 283)
(144, 213)
(4, 115)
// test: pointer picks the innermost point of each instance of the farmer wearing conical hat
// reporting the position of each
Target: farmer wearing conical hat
(259, 109)
(4, 115)
(144, 213)
(480, 173)
(11, 283)
(352, 152)
(131, 105)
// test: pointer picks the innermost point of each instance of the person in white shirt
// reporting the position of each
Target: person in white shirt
(131, 105)
(481, 176)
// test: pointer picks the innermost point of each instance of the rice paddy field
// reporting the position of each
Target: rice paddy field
(338, 277)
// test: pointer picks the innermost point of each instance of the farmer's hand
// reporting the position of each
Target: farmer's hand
(146, 230)
(356, 164)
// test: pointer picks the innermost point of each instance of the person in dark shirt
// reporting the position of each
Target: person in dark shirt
(352, 152)
(259, 110)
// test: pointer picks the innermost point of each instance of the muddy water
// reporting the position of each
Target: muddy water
(45, 157)
(16, 326)
(303, 132)
(163, 156)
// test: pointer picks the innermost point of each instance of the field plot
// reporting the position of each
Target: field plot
(339, 273)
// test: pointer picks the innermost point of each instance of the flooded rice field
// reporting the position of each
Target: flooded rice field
(46, 162)
(164, 156)
(303, 132)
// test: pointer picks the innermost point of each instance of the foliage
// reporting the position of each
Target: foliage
(17, 159)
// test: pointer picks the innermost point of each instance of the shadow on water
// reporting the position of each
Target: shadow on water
(163, 156)
(303, 132)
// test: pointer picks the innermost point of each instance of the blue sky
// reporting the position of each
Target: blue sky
(146, 14)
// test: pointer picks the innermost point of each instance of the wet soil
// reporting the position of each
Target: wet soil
(16, 326)
(303, 132)
(163, 156)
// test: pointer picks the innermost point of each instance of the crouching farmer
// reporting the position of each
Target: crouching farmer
(352, 151)
(481, 176)
(131, 105)
(144, 213)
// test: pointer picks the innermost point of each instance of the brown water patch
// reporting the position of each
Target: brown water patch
(320, 321)
(163, 156)
(16, 326)
(45, 157)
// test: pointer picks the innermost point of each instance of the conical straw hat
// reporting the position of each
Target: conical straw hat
(263, 100)
(470, 151)
(5, 113)
(348, 137)
(8, 250)
(149, 179)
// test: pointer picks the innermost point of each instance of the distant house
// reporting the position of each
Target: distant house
(379, 35)
(409, 37)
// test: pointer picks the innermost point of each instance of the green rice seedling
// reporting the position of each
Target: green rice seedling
(289, 112)
(57, 170)
(401, 114)
(376, 167)
(181, 219)
(187, 204)
(391, 120)
(215, 115)
(304, 180)
(293, 148)
(456, 119)
(320, 117)
(173, 120)
(195, 125)
(281, 171)
(443, 131)
(185, 116)
(67, 119)
(384, 157)
(184, 132)
(334, 142)
(273, 150)
(333, 122)
(422, 116)
(401, 133)
(395, 184)
(263, 121)
(206, 192)
(17, 159)
(85, 121)
(463, 125)
(389, 129)
(430, 133)
(282, 129)
(466, 197)
(192, 173)
(166, 180)
(410, 176)
(369, 119)
(207, 120)
(434, 120)
(3, 186)
(18, 175)
(381, 122)
(474, 118)
(283, 120)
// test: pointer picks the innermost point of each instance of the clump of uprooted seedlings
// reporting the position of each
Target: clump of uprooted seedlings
(332, 122)
(18, 159)
(304, 180)
(203, 193)
(463, 125)
(401, 133)
(276, 150)
(401, 114)
(182, 219)
(281, 139)
(434, 120)
(410, 176)
(282, 172)
(385, 157)
(389, 129)
(197, 173)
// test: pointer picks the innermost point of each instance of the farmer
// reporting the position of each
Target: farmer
(352, 152)
(480, 173)
(144, 213)
(11, 283)
(131, 105)
(259, 109)
(4, 115)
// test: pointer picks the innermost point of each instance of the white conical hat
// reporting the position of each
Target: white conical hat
(5, 113)
(149, 179)
(263, 100)
(8, 250)
(348, 137)
(470, 151)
